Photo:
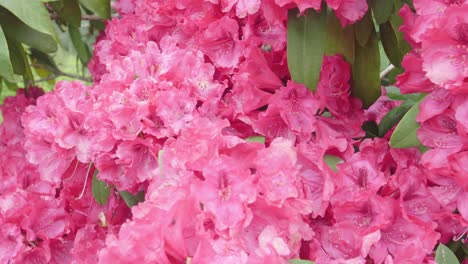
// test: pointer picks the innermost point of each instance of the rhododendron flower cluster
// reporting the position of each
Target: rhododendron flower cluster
(438, 66)
(182, 93)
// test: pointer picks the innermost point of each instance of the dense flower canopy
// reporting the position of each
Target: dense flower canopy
(182, 91)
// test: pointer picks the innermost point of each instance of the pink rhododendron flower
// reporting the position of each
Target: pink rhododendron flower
(193, 107)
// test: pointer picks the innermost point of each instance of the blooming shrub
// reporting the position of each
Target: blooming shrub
(193, 105)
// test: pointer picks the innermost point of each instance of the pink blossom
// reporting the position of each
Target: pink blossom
(444, 50)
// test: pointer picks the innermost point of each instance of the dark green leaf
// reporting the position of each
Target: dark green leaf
(405, 135)
(371, 129)
(17, 61)
(300, 261)
(97, 25)
(382, 10)
(259, 139)
(306, 46)
(392, 118)
(42, 60)
(332, 161)
(396, 21)
(100, 189)
(339, 40)
(366, 74)
(131, 199)
(363, 29)
(390, 78)
(391, 44)
(99, 7)
(32, 13)
(6, 69)
(80, 47)
(15, 29)
(20, 61)
(444, 255)
(71, 12)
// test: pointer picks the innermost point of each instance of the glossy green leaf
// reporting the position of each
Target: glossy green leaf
(395, 94)
(391, 44)
(32, 13)
(100, 190)
(332, 161)
(300, 261)
(444, 255)
(99, 7)
(382, 10)
(6, 69)
(306, 46)
(71, 12)
(366, 74)
(16, 29)
(405, 135)
(339, 40)
(80, 47)
(363, 29)
(392, 118)
(132, 200)
(259, 139)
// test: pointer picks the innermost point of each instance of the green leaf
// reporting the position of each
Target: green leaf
(131, 199)
(300, 261)
(6, 69)
(444, 255)
(33, 14)
(80, 47)
(100, 190)
(71, 12)
(382, 10)
(332, 161)
(395, 94)
(20, 62)
(259, 139)
(42, 60)
(363, 29)
(339, 40)
(371, 129)
(12, 86)
(392, 118)
(391, 44)
(306, 46)
(405, 135)
(99, 7)
(366, 74)
(396, 21)
(15, 29)
(17, 61)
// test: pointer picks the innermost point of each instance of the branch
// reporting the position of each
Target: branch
(56, 73)
(91, 17)
(74, 76)
(48, 78)
(387, 71)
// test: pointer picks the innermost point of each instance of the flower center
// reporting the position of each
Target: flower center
(461, 32)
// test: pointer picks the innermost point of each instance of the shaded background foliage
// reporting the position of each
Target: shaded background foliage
(44, 41)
